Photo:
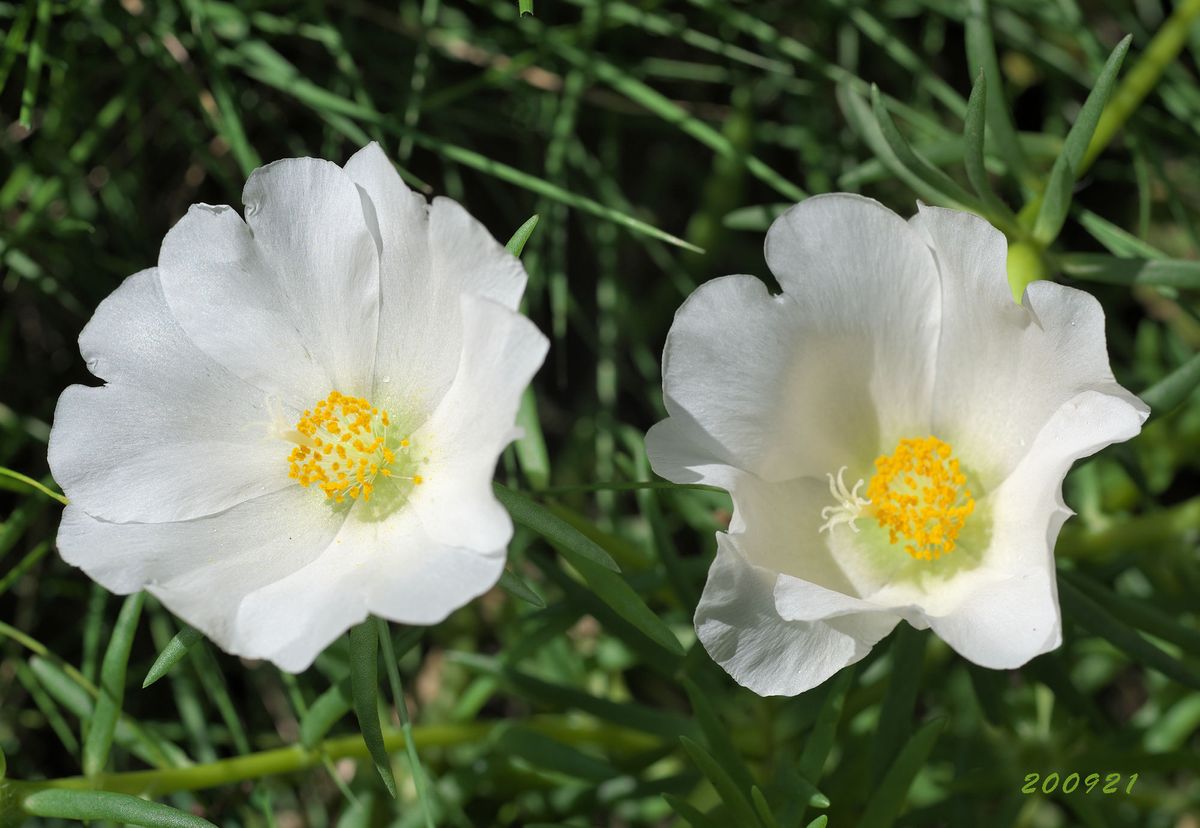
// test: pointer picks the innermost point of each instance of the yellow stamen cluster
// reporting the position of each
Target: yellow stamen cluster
(342, 446)
(919, 492)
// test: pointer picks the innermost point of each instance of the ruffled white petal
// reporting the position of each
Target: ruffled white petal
(1015, 617)
(474, 421)
(173, 435)
(1004, 369)
(742, 630)
(289, 299)
(203, 569)
(429, 255)
(869, 286)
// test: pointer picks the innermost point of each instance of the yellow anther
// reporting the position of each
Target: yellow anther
(342, 446)
(918, 492)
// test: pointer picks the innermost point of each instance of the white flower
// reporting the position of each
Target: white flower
(302, 412)
(895, 356)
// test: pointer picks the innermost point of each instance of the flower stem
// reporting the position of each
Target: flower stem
(155, 783)
(1146, 531)
(29, 481)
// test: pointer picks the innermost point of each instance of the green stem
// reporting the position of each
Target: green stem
(29, 481)
(155, 783)
(1132, 90)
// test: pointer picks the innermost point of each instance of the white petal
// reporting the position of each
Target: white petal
(392, 569)
(869, 285)
(741, 629)
(203, 569)
(289, 300)
(429, 254)
(1004, 369)
(173, 435)
(235, 306)
(752, 382)
(1006, 622)
(474, 421)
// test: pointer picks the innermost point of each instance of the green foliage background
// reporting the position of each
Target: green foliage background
(634, 130)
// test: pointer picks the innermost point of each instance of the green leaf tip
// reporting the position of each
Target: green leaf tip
(525, 7)
(171, 654)
(364, 687)
(516, 244)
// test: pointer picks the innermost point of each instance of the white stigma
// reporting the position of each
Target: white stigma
(850, 505)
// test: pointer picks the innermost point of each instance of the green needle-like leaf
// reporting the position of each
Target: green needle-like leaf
(1116, 270)
(519, 588)
(171, 654)
(733, 797)
(690, 813)
(103, 723)
(1057, 198)
(973, 146)
(888, 800)
(1099, 621)
(716, 734)
(364, 686)
(517, 243)
(981, 57)
(763, 808)
(1173, 389)
(896, 714)
(325, 712)
(115, 807)
(949, 191)
(549, 754)
(569, 540)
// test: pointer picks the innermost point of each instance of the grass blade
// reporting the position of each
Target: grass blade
(973, 146)
(1099, 621)
(519, 588)
(733, 797)
(565, 537)
(896, 714)
(116, 807)
(1173, 389)
(1056, 200)
(103, 723)
(325, 712)
(950, 192)
(171, 654)
(981, 57)
(1116, 270)
(690, 813)
(885, 804)
(364, 687)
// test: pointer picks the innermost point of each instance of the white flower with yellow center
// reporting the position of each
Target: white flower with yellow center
(302, 412)
(894, 431)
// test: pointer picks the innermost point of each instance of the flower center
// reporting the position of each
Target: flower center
(343, 445)
(918, 492)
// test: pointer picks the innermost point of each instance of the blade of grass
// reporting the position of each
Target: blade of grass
(33, 64)
(1173, 389)
(563, 535)
(733, 796)
(981, 57)
(1099, 621)
(171, 654)
(410, 747)
(103, 722)
(116, 807)
(519, 588)
(364, 686)
(1056, 200)
(886, 803)
(1115, 270)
